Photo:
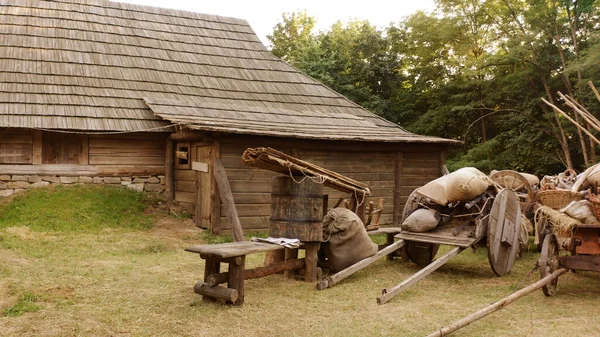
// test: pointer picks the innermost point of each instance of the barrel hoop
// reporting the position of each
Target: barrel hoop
(297, 195)
(294, 220)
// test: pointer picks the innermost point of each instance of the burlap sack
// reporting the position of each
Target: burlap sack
(345, 239)
(465, 184)
(421, 220)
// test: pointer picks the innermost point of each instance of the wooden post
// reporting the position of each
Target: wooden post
(311, 259)
(338, 277)
(497, 305)
(421, 274)
(37, 147)
(290, 254)
(211, 266)
(398, 190)
(227, 199)
(236, 279)
(170, 170)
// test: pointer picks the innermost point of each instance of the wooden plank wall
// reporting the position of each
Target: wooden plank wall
(376, 169)
(418, 168)
(16, 146)
(127, 149)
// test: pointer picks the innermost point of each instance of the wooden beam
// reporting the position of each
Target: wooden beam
(228, 294)
(339, 276)
(445, 331)
(227, 199)
(397, 191)
(81, 170)
(170, 170)
(418, 276)
(275, 268)
(37, 147)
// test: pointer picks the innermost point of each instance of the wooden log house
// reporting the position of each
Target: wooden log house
(97, 91)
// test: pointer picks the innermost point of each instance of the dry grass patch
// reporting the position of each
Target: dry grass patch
(127, 282)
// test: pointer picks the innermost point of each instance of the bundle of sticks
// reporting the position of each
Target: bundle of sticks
(270, 159)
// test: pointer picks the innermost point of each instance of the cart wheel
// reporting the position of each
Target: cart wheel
(504, 226)
(543, 227)
(515, 182)
(548, 263)
(421, 253)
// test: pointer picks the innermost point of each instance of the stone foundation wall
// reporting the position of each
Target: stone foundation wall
(10, 184)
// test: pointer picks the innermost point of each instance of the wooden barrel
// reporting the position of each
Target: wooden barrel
(296, 209)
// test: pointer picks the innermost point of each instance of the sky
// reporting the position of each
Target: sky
(263, 15)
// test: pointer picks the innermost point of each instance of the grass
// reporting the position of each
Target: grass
(137, 281)
(83, 208)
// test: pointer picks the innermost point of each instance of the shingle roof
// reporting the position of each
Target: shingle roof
(108, 66)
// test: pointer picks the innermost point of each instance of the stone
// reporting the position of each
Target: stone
(97, 180)
(112, 180)
(39, 184)
(125, 178)
(69, 180)
(154, 188)
(154, 180)
(4, 177)
(6, 193)
(125, 183)
(85, 180)
(2, 185)
(162, 180)
(17, 185)
(19, 178)
(34, 179)
(139, 180)
(52, 179)
(136, 187)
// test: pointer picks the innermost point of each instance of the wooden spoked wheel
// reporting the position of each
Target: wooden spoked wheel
(420, 253)
(515, 182)
(548, 263)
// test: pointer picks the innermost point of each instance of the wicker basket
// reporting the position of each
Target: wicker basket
(595, 204)
(557, 199)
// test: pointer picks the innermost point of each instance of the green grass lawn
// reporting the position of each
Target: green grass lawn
(77, 268)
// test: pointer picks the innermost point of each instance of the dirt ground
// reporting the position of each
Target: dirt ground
(139, 283)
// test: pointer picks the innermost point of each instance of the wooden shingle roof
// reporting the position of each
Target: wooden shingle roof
(98, 65)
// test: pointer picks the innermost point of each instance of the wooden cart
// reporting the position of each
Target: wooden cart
(496, 217)
(584, 253)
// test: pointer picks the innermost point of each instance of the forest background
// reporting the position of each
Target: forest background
(471, 70)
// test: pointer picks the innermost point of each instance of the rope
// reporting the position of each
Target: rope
(517, 288)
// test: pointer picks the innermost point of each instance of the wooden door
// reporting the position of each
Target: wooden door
(203, 168)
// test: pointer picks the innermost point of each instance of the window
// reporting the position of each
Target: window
(183, 156)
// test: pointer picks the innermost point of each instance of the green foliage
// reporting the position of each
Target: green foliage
(26, 303)
(473, 71)
(82, 208)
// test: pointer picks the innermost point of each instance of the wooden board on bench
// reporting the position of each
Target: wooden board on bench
(232, 249)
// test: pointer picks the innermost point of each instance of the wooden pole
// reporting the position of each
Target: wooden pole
(421, 274)
(339, 276)
(557, 110)
(227, 198)
(591, 84)
(445, 331)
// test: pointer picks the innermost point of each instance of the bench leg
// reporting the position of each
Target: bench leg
(236, 277)
(311, 260)
(389, 239)
(211, 266)
(289, 255)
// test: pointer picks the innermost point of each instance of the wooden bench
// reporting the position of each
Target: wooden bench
(234, 254)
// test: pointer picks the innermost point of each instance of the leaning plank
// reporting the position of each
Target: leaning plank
(227, 198)
(228, 294)
(334, 279)
(445, 331)
(421, 274)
